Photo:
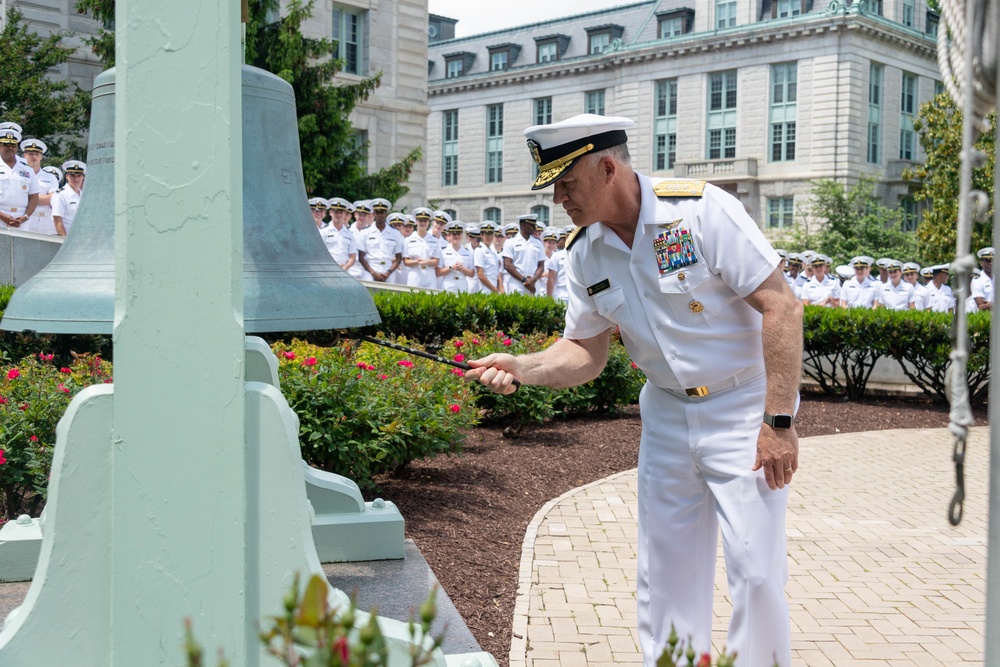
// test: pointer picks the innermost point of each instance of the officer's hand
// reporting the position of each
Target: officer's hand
(497, 372)
(778, 455)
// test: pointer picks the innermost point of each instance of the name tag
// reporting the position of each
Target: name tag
(597, 288)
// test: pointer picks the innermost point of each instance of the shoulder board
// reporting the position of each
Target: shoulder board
(681, 187)
(574, 235)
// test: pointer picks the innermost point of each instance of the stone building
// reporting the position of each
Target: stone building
(757, 96)
(388, 36)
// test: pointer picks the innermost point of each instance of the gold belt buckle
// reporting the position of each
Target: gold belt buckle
(697, 391)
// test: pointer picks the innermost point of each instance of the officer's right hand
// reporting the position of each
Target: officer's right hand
(496, 372)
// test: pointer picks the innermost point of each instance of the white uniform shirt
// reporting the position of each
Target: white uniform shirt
(939, 300)
(456, 281)
(339, 242)
(920, 296)
(40, 221)
(380, 247)
(15, 186)
(474, 286)
(525, 254)
(486, 258)
(815, 291)
(860, 295)
(557, 263)
(896, 298)
(64, 204)
(982, 286)
(689, 326)
(415, 247)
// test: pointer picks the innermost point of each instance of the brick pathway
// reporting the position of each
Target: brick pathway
(878, 577)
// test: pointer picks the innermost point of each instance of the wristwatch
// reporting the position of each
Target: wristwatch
(778, 421)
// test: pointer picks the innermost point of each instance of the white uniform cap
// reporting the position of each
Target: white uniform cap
(911, 267)
(348, 206)
(808, 256)
(422, 212)
(318, 203)
(453, 226)
(528, 217)
(550, 233)
(74, 167)
(883, 262)
(488, 227)
(34, 145)
(11, 126)
(794, 258)
(381, 203)
(363, 205)
(337, 204)
(10, 136)
(397, 219)
(985, 253)
(510, 229)
(894, 265)
(781, 253)
(556, 147)
(861, 261)
(568, 229)
(940, 267)
(55, 171)
(927, 272)
(844, 271)
(472, 229)
(442, 216)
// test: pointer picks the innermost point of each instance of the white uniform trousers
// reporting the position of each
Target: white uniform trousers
(515, 286)
(695, 461)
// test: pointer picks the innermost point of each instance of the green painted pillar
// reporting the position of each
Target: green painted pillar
(178, 426)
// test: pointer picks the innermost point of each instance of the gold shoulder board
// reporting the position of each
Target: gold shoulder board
(681, 187)
(574, 235)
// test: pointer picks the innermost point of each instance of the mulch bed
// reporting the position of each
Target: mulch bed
(468, 513)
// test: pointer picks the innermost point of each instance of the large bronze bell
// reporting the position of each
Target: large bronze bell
(290, 281)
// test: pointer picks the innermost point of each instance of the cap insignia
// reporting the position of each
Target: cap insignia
(536, 151)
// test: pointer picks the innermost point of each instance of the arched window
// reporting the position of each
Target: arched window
(492, 214)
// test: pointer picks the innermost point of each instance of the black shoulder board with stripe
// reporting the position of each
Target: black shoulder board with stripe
(574, 235)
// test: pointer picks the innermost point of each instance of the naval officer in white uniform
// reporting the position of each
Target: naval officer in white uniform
(693, 286)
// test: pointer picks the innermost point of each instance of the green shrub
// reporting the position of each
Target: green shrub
(366, 409)
(34, 394)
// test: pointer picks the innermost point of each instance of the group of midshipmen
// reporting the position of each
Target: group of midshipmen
(428, 249)
(898, 285)
(34, 198)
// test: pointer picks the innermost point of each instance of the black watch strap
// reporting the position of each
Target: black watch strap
(779, 421)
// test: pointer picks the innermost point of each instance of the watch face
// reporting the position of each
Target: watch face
(781, 421)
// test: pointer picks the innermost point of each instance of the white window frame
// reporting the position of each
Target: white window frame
(543, 212)
(500, 60)
(598, 41)
(449, 147)
(593, 102)
(721, 124)
(665, 125)
(725, 14)
(455, 68)
(907, 109)
(672, 27)
(494, 143)
(548, 52)
(780, 212)
(350, 47)
(876, 77)
(784, 103)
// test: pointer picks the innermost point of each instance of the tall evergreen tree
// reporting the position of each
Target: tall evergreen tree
(940, 126)
(332, 159)
(57, 112)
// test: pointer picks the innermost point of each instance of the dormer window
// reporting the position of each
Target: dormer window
(600, 37)
(675, 23)
(550, 48)
(458, 64)
(502, 56)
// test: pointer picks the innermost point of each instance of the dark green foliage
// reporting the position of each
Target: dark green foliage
(50, 109)
(332, 161)
(842, 346)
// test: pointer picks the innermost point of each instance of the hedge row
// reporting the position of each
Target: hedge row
(842, 347)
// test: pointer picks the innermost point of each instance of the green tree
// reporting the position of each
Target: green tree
(57, 112)
(332, 159)
(853, 221)
(937, 180)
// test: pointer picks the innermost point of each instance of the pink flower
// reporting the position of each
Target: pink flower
(63, 389)
(288, 355)
(311, 361)
(705, 660)
(458, 371)
(459, 343)
(455, 407)
(634, 366)
(33, 438)
(3, 400)
(108, 381)
(13, 374)
(358, 376)
(343, 650)
(507, 342)
(46, 357)
(65, 370)
(22, 407)
(369, 367)
(406, 363)
(459, 357)
(362, 365)
(383, 376)
(500, 334)
(475, 341)
(2, 459)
